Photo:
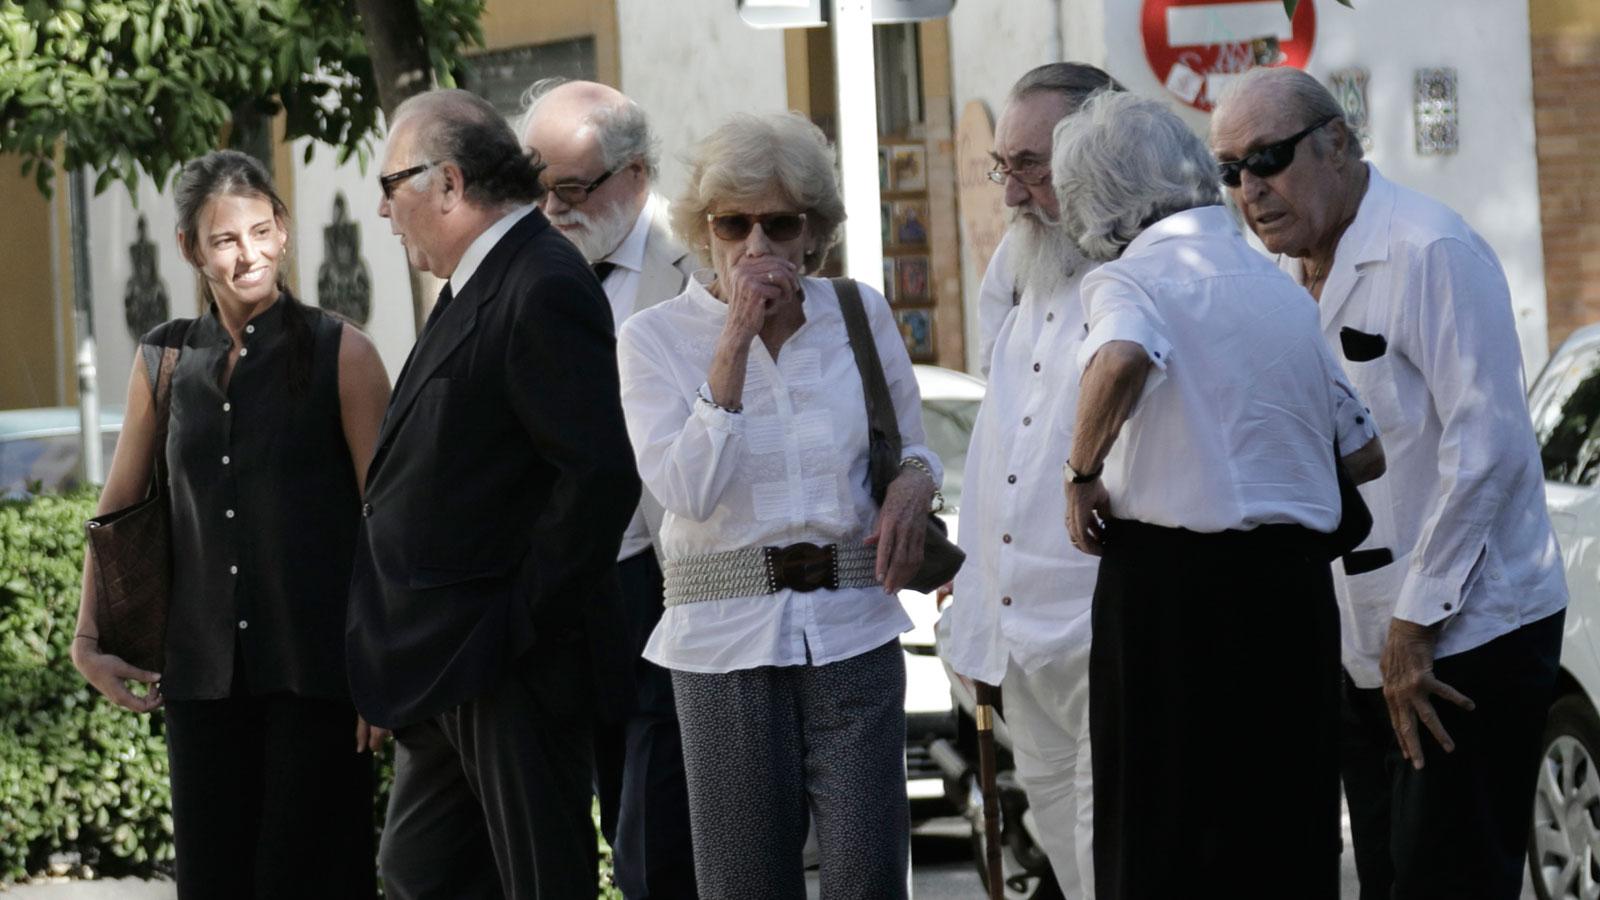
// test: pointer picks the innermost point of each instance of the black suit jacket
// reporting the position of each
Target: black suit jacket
(498, 493)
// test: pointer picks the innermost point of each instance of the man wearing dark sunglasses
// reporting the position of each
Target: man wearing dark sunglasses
(1459, 591)
(601, 159)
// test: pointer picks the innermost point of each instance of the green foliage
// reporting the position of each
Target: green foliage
(76, 772)
(146, 84)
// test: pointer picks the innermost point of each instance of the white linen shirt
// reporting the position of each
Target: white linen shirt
(1241, 409)
(622, 289)
(997, 296)
(1462, 507)
(791, 467)
(1025, 591)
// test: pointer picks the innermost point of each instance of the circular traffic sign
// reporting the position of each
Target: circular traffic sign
(1196, 47)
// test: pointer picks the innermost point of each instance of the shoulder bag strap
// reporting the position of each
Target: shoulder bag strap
(882, 427)
(161, 363)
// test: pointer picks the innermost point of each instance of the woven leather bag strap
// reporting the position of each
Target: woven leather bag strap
(881, 422)
(160, 364)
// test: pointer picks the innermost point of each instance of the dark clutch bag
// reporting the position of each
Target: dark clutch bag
(131, 549)
(941, 558)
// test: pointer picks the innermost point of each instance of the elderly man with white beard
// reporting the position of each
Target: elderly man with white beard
(1021, 613)
(601, 159)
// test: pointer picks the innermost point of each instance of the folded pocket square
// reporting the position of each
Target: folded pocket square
(1360, 562)
(1360, 346)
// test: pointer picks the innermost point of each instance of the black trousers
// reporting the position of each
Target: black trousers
(1213, 710)
(1458, 829)
(491, 799)
(269, 798)
(638, 761)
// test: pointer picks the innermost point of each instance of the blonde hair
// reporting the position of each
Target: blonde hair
(749, 155)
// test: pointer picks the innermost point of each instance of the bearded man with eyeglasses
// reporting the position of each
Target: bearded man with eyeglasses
(1020, 617)
(1458, 593)
(600, 160)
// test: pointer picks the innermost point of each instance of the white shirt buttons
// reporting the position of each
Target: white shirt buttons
(227, 407)
(244, 351)
(233, 570)
(225, 460)
(243, 624)
(249, 329)
(229, 513)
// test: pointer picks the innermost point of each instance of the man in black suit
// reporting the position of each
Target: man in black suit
(495, 504)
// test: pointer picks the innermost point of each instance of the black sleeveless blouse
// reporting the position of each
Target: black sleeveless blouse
(264, 511)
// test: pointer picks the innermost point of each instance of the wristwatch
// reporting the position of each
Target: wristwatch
(1076, 477)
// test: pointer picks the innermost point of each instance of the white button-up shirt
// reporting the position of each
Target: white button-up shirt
(791, 467)
(1025, 591)
(1462, 507)
(997, 296)
(622, 289)
(1237, 423)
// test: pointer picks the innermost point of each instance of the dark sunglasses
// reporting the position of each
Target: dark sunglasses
(572, 193)
(392, 180)
(776, 226)
(1269, 160)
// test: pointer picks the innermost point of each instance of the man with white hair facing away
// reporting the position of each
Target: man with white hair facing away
(601, 159)
(1459, 596)
(1021, 613)
(1213, 676)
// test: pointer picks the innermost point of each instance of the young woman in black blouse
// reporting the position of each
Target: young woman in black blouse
(275, 410)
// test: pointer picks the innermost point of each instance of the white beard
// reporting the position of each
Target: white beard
(1042, 256)
(596, 236)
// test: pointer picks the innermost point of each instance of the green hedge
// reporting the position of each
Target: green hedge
(77, 772)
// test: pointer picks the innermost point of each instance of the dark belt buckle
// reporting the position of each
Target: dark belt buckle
(802, 567)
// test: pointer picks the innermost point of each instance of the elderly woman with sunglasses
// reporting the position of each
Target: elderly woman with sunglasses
(747, 415)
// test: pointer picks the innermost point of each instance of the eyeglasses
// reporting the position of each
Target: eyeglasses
(1269, 160)
(573, 193)
(776, 226)
(392, 180)
(1032, 174)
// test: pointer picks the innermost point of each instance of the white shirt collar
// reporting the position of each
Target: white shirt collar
(630, 253)
(479, 249)
(1199, 220)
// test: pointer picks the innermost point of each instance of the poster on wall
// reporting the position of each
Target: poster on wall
(911, 279)
(1196, 48)
(916, 329)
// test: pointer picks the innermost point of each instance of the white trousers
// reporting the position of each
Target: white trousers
(1047, 713)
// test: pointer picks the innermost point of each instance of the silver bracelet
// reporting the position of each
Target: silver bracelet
(914, 462)
(733, 410)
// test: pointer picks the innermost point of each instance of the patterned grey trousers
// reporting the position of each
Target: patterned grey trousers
(765, 747)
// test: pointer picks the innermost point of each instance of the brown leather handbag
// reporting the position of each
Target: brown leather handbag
(131, 549)
(941, 558)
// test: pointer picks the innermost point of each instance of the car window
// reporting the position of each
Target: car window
(1567, 419)
(949, 427)
(33, 465)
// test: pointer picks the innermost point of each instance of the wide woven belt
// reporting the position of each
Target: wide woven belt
(754, 571)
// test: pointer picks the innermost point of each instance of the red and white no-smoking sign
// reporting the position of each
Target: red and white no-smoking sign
(1195, 47)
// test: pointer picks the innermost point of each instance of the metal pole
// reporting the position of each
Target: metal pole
(857, 86)
(83, 320)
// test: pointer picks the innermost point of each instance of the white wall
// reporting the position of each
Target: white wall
(1492, 181)
(392, 324)
(690, 65)
(113, 227)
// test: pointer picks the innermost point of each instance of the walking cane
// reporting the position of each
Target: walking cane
(984, 713)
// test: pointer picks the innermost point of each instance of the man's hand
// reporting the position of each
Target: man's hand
(1088, 507)
(1408, 685)
(369, 737)
(902, 529)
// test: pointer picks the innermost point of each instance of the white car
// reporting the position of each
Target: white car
(950, 402)
(1564, 846)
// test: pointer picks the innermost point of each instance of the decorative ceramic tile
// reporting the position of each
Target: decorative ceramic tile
(1434, 101)
(1349, 87)
(343, 284)
(144, 300)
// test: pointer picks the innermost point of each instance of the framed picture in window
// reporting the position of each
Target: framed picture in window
(911, 222)
(908, 164)
(916, 329)
(911, 280)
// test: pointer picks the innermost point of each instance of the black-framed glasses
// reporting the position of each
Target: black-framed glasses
(1269, 160)
(784, 226)
(572, 193)
(1032, 174)
(392, 180)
